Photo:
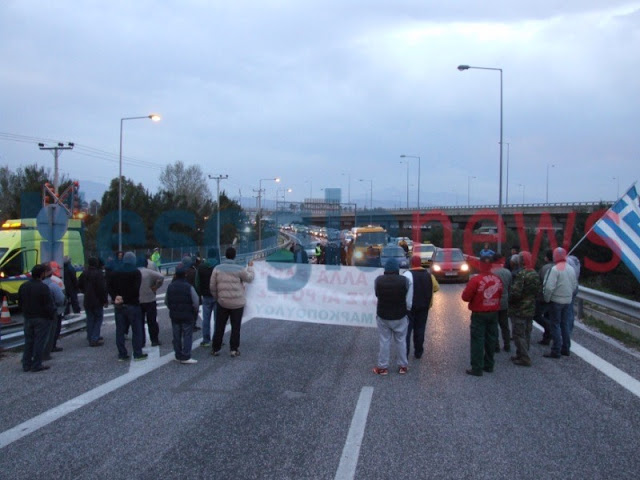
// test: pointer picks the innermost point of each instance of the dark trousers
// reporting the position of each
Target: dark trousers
(35, 337)
(182, 339)
(150, 313)
(72, 301)
(234, 315)
(560, 316)
(95, 316)
(55, 327)
(541, 316)
(503, 321)
(129, 316)
(484, 335)
(417, 326)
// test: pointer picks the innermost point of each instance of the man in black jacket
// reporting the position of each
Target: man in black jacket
(93, 285)
(124, 287)
(70, 280)
(38, 309)
(422, 285)
(394, 300)
(182, 300)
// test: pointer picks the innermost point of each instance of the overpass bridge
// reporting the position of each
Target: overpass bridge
(530, 215)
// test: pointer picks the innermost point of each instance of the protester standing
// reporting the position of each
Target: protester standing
(35, 300)
(542, 308)
(150, 282)
(125, 290)
(558, 289)
(422, 285)
(503, 312)
(93, 285)
(394, 294)
(522, 306)
(182, 300)
(483, 294)
(56, 286)
(227, 286)
(203, 278)
(70, 286)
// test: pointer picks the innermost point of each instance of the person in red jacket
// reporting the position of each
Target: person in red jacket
(483, 294)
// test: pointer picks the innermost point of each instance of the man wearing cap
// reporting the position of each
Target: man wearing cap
(558, 289)
(422, 284)
(483, 295)
(395, 295)
(125, 290)
(35, 300)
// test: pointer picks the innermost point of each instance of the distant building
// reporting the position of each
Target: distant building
(333, 195)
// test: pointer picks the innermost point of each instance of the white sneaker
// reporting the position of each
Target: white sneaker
(191, 361)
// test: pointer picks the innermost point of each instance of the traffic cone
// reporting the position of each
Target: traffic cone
(5, 317)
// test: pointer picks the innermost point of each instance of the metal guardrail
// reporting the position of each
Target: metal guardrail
(608, 301)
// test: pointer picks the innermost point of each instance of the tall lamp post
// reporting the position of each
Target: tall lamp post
(370, 199)
(467, 67)
(217, 178)
(348, 186)
(407, 162)
(418, 157)
(617, 187)
(521, 185)
(156, 118)
(276, 179)
(507, 182)
(469, 190)
(548, 167)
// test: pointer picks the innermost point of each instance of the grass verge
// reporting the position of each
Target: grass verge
(624, 337)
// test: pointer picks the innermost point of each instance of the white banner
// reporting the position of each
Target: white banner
(331, 294)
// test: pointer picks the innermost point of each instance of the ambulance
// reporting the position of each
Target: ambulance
(20, 244)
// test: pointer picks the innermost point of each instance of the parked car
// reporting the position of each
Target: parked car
(394, 251)
(449, 264)
(426, 251)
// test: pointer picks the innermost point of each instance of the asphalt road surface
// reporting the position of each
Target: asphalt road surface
(301, 402)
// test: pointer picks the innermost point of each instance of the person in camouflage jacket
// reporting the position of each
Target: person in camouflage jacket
(522, 305)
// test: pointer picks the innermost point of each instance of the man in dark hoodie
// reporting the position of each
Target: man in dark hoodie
(182, 301)
(93, 285)
(34, 297)
(394, 295)
(125, 289)
(70, 286)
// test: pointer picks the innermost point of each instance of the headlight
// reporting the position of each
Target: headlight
(358, 254)
(464, 267)
(436, 268)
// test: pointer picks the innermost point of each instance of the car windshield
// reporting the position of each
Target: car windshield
(2, 252)
(393, 252)
(423, 248)
(449, 256)
(371, 238)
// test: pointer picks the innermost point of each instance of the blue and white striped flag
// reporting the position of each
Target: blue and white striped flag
(620, 228)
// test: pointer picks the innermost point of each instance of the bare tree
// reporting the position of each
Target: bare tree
(188, 183)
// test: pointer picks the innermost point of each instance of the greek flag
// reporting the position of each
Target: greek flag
(620, 228)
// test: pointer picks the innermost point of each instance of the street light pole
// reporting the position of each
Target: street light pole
(407, 162)
(548, 166)
(507, 183)
(418, 157)
(156, 118)
(370, 199)
(469, 190)
(277, 179)
(521, 185)
(56, 156)
(467, 67)
(348, 186)
(617, 187)
(217, 178)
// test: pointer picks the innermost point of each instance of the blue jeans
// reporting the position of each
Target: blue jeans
(182, 339)
(208, 308)
(398, 330)
(560, 324)
(94, 323)
(416, 329)
(129, 316)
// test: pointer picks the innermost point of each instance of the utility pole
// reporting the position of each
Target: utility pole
(217, 178)
(56, 155)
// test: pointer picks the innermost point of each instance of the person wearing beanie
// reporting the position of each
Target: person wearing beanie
(522, 306)
(125, 290)
(394, 294)
(558, 289)
(421, 282)
(227, 286)
(483, 294)
(190, 275)
(182, 301)
(93, 285)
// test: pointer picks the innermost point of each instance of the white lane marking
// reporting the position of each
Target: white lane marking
(614, 373)
(351, 450)
(141, 368)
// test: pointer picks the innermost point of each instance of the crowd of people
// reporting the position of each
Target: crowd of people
(130, 284)
(505, 297)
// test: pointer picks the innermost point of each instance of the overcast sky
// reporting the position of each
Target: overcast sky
(320, 92)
